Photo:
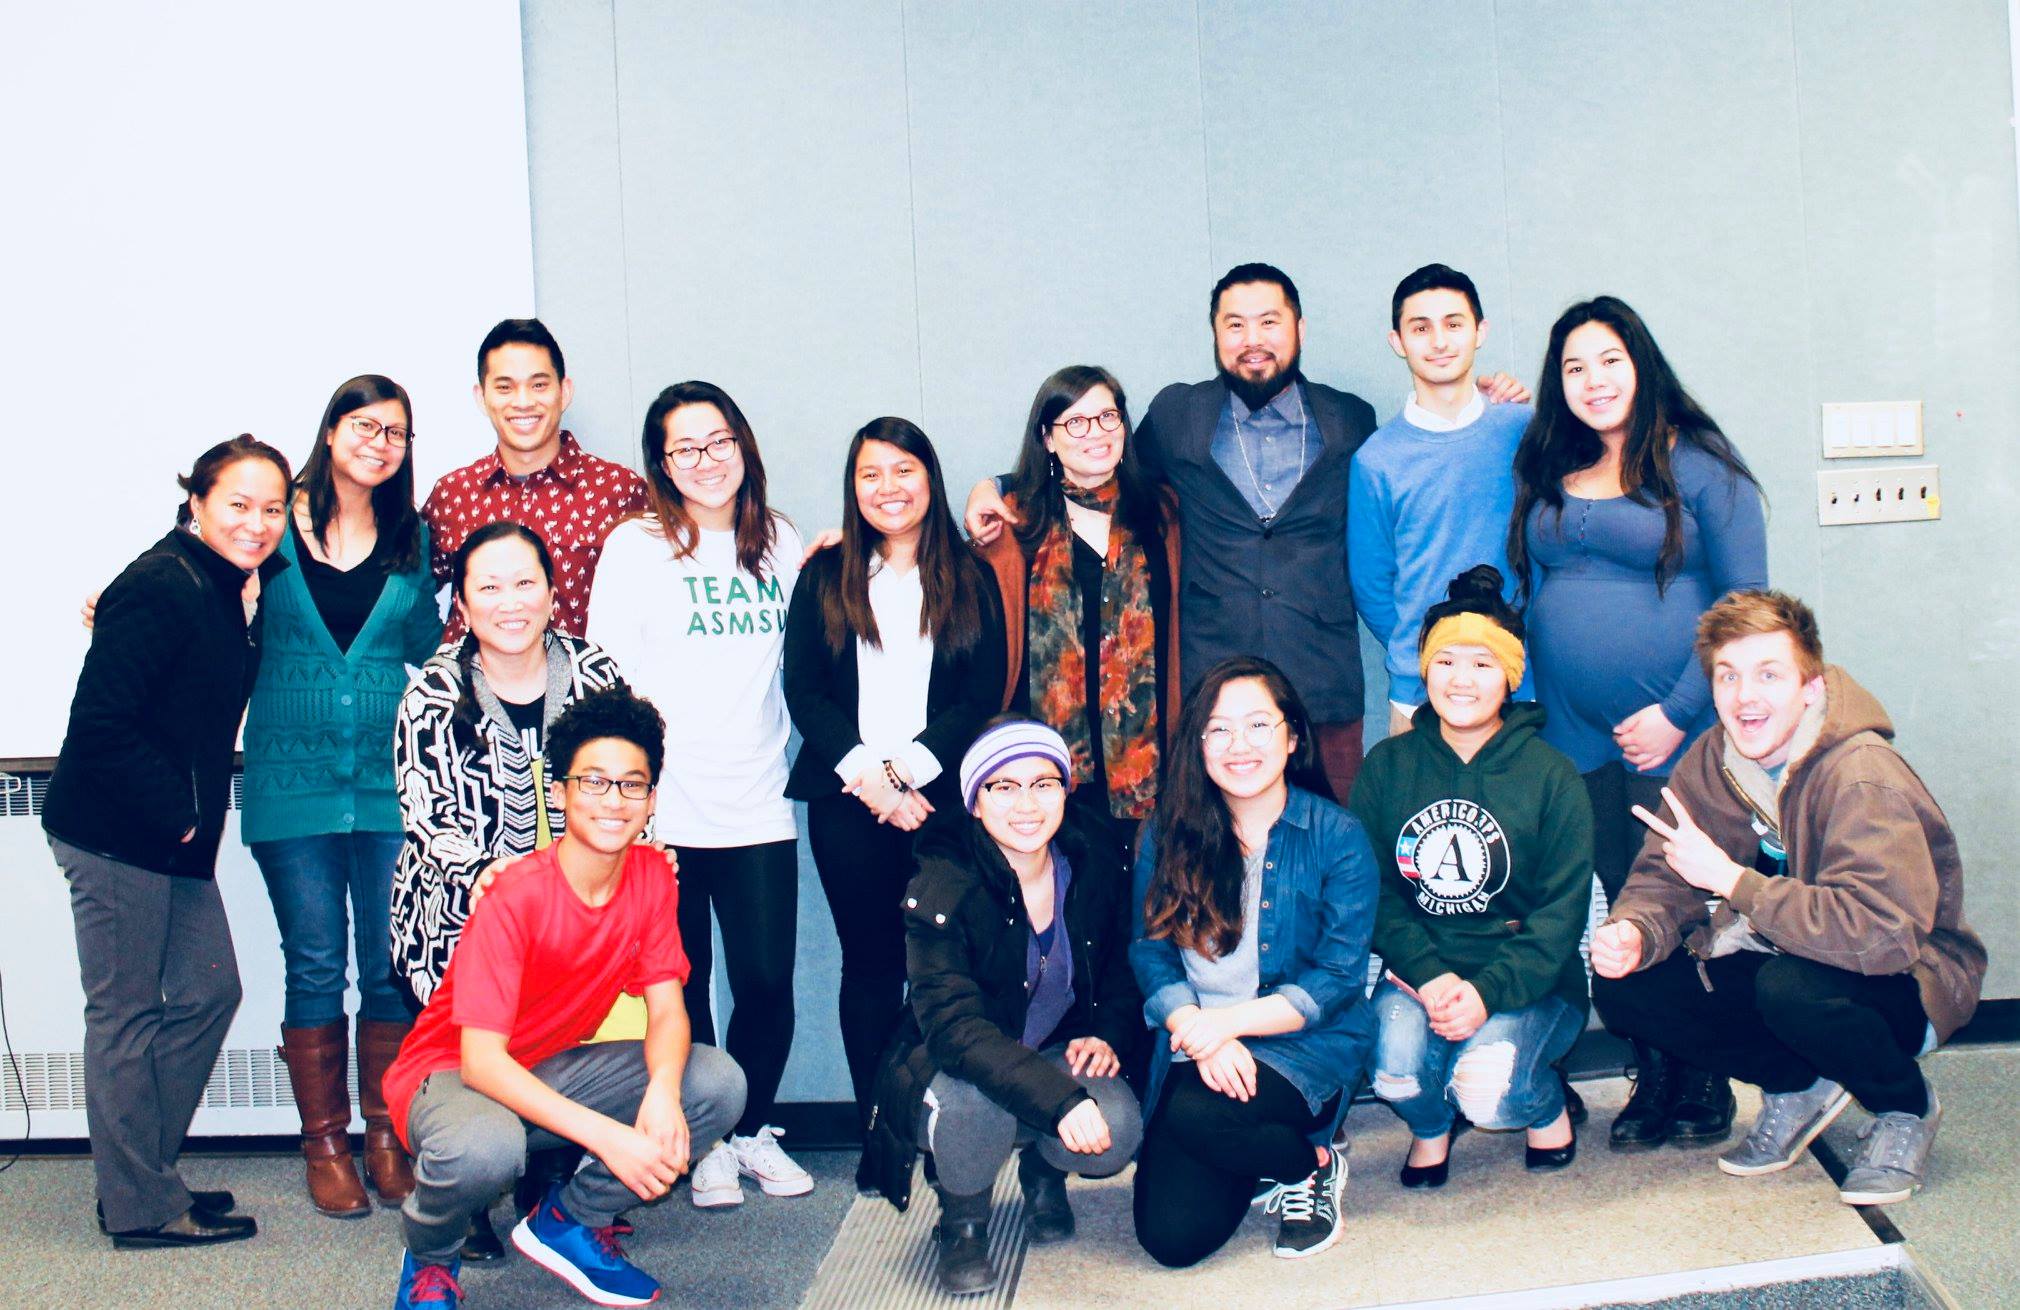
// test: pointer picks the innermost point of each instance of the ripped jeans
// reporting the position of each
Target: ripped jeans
(1500, 1077)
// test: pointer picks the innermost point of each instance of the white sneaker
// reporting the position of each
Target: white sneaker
(776, 1172)
(715, 1181)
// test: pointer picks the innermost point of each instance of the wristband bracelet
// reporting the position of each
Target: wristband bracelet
(891, 776)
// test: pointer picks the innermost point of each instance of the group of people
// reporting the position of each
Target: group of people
(1085, 793)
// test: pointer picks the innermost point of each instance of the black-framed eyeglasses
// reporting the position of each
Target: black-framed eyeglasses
(595, 784)
(1257, 732)
(686, 457)
(1079, 425)
(1003, 793)
(370, 429)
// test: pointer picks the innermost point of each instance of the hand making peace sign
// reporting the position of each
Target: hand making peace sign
(1695, 857)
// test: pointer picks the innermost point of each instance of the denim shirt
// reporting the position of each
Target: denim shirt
(1317, 913)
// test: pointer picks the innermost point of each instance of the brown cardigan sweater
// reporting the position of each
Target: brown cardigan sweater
(1006, 559)
(1874, 883)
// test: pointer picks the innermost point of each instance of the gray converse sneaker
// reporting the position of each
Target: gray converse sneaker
(1895, 1157)
(1788, 1122)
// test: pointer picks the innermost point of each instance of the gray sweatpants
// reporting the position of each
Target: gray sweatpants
(160, 988)
(468, 1148)
(971, 1136)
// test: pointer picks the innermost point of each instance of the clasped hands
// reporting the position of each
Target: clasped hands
(651, 1154)
(1452, 1004)
(902, 809)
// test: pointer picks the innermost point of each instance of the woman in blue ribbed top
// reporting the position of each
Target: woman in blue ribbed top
(321, 816)
(1633, 515)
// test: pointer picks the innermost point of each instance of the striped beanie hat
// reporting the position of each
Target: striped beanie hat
(1017, 739)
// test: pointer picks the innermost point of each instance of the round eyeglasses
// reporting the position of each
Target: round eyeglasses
(1257, 732)
(1079, 425)
(719, 449)
(1004, 793)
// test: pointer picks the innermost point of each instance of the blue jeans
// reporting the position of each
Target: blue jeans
(309, 879)
(1501, 1076)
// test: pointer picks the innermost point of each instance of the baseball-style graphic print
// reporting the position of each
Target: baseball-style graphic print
(1456, 856)
(572, 503)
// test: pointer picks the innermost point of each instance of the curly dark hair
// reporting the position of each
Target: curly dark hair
(611, 713)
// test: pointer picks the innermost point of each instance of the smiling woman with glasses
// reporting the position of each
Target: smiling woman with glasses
(1255, 900)
(1088, 582)
(1022, 1010)
(690, 598)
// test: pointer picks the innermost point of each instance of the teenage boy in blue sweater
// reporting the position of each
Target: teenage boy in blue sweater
(1430, 493)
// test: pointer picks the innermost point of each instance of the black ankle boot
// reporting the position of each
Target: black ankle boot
(1703, 1109)
(481, 1244)
(962, 1236)
(551, 1164)
(1047, 1216)
(1643, 1123)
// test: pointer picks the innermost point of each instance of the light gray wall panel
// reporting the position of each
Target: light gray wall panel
(1908, 173)
(1059, 208)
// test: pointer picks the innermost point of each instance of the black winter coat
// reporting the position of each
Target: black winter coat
(148, 752)
(966, 937)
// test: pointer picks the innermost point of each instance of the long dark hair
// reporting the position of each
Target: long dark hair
(465, 718)
(392, 500)
(1194, 896)
(755, 531)
(1036, 485)
(1558, 443)
(952, 613)
(210, 466)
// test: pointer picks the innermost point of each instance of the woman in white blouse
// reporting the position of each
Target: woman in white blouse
(894, 659)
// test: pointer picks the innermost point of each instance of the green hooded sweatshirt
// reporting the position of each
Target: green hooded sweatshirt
(1486, 865)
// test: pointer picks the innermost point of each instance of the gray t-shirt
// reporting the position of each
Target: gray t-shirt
(1234, 977)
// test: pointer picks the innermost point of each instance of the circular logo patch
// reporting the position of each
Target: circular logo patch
(1456, 855)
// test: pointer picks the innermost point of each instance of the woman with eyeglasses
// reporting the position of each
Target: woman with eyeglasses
(321, 814)
(893, 661)
(468, 754)
(1088, 582)
(1254, 899)
(1021, 1010)
(690, 599)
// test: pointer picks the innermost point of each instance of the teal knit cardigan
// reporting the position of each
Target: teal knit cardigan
(319, 728)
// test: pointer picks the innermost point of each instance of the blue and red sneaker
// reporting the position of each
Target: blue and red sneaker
(432, 1286)
(588, 1259)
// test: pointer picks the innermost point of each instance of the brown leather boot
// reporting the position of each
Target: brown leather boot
(317, 1060)
(386, 1162)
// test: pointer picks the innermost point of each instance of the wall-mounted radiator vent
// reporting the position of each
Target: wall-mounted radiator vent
(22, 794)
(245, 1078)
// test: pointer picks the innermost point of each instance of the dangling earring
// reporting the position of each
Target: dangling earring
(1053, 469)
(196, 527)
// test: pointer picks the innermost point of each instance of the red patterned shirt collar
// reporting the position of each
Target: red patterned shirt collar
(565, 467)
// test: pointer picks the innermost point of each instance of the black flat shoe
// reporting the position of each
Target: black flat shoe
(1425, 1176)
(481, 1244)
(193, 1227)
(1547, 1159)
(219, 1202)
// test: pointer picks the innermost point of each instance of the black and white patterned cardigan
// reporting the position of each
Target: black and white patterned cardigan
(461, 808)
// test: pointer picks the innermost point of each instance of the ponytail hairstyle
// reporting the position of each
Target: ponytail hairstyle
(1194, 897)
(755, 531)
(392, 500)
(1558, 443)
(465, 719)
(210, 466)
(952, 613)
(1036, 483)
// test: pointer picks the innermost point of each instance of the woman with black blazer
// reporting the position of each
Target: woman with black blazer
(894, 658)
(1022, 1011)
(134, 815)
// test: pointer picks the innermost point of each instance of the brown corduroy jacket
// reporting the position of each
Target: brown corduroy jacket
(1874, 884)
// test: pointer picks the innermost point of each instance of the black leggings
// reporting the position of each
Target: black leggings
(756, 894)
(864, 866)
(1778, 1022)
(1204, 1152)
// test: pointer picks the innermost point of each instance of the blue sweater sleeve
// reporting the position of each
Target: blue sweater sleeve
(1733, 531)
(1371, 549)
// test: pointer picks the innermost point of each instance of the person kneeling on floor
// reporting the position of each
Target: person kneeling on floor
(1021, 1007)
(496, 1062)
(1823, 898)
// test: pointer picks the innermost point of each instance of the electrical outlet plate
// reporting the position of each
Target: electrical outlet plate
(1909, 493)
(1866, 429)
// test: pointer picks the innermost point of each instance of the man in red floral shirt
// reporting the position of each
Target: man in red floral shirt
(539, 475)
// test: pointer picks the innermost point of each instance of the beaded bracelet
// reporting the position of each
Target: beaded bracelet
(891, 776)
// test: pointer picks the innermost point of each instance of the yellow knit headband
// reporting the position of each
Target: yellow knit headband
(1474, 629)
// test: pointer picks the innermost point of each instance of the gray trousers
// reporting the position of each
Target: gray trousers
(160, 988)
(468, 1148)
(971, 1136)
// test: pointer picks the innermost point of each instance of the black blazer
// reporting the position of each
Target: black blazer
(148, 753)
(966, 688)
(1278, 589)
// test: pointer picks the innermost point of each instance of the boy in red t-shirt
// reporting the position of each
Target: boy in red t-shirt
(496, 1062)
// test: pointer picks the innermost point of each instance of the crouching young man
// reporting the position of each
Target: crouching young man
(1823, 901)
(496, 1061)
